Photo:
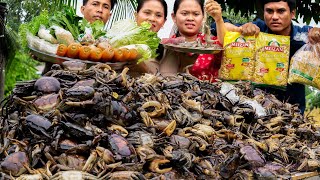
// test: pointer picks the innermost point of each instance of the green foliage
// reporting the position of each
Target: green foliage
(312, 98)
(22, 68)
(238, 17)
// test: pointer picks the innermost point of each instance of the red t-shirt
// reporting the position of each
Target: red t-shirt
(207, 66)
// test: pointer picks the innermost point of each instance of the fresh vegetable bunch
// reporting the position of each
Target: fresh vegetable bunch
(127, 32)
(67, 19)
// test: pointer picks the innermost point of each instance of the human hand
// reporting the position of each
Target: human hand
(213, 8)
(314, 35)
(249, 29)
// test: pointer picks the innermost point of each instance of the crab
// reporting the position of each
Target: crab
(73, 175)
(30, 177)
(143, 138)
(70, 162)
(14, 163)
(86, 82)
(117, 128)
(184, 117)
(182, 159)
(37, 123)
(198, 142)
(253, 156)
(121, 148)
(74, 66)
(146, 153)
(47, 85)
(157, 109)
(180, 142)
(121, 175)
(202, 130)
(229, 167)
(47, 102)
(100, 157)
(192, 104)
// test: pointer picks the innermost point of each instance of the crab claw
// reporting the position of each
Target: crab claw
(122, 130)
(159, 109)
(145, 153)
(170, 128)
(146, 119)
(154, 166)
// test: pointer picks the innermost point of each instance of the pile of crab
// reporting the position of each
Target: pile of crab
(95, 123)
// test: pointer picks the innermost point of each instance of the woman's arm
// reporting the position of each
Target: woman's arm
(214, 10)
(169, 64)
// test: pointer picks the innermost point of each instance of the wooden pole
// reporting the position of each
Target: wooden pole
(3, 11)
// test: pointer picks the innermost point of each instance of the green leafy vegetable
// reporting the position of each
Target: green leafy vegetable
(33, 26)
(67, 19)
(97, 27)
(126, 32)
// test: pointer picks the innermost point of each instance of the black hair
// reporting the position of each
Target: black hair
(178, 2)
(291, 3)
(113, 2)
(163, 3)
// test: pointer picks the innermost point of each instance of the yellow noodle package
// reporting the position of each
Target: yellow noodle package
(271, 60)
(304, 68)
(238, 57)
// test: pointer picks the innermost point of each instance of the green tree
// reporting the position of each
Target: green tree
(306, 9)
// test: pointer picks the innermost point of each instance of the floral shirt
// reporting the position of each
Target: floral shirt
(207, 66)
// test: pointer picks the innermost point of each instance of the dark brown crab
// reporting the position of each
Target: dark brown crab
(37, 123)
(66, 78)
(47, 85)
(122, 149)
(15, 163)
(70, 162)
(47, 102)
(182, 159)
(254, 157)
(80, 93)
(74, 66)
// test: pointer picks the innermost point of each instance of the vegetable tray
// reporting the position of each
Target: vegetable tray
(55, 59)
(197, 50)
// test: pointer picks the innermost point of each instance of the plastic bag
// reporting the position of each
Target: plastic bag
(40, 44)
(44, 33)
(238, 57)
(272, 60)
(86, 38)
(63, 36)
(304, 68)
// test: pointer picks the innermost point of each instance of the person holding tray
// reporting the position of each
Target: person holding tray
(188, 16)
(155, 12)
(92, 10)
